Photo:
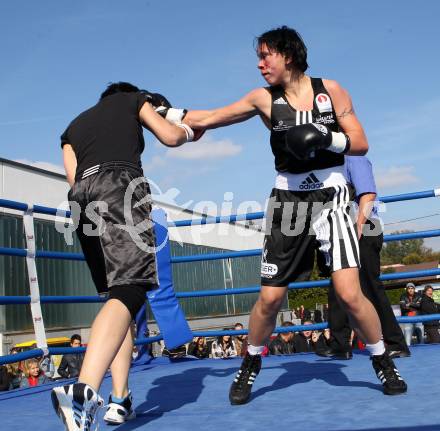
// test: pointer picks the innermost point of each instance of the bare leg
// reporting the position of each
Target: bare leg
(264, 314)
(121, 366)
(362, 314)
(108, 333)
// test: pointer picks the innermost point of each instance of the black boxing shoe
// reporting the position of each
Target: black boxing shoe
(388, 374)
(335, 354)
(241, 387)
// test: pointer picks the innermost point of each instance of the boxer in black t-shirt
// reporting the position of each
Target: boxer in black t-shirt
(112, 205)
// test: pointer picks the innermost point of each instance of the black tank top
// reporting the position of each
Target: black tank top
(284, 116)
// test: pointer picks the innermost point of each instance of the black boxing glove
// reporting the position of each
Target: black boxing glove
(156, 100)
(164, 108)
(303, 140)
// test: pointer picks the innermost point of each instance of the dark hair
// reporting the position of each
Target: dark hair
(287, 42)
(428, 286)
(287, 323)
(220, 339)
(75, 337)
(118, 87)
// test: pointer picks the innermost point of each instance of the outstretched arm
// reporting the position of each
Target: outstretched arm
(167, 133)
(255, 102)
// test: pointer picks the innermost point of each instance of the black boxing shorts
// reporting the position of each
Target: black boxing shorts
(115, 231)
(301, 223)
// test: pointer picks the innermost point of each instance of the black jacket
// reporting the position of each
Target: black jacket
(5, 379)
(281, 347)
(194, 351)
(428, 306)
(301, 344)
(406, 305)
(71, 365)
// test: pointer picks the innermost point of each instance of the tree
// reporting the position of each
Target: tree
(395, 251)
(412, 259)
(309, 297)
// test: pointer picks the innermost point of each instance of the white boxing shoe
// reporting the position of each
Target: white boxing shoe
(118, 413)
(76, 405)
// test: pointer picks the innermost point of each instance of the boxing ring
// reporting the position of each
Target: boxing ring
(300, 391)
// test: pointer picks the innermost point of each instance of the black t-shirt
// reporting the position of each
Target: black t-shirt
(109, 131)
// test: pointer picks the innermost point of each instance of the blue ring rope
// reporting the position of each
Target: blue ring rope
(34, 353)
(6, 251)
(8, 300)
(39, 209)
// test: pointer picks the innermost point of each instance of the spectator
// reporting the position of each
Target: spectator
(410, 305)
(307, 315)
(223, 348)
(15, 372)
(34, 376)
(300, 314)
(428, 306)
(320, 340)
(325, 313)
(283, 343)
(293, 314)
(317, 316)
(302, 342)
(327, 335)
(5, 378)
(240, 341)
(71, 363)
(176, 353)
(199, 348)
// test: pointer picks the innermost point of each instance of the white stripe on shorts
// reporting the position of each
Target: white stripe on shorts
(334, 224)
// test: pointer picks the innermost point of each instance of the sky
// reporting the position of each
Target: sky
(58, 56)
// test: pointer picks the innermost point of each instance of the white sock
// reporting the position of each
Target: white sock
(255, 350)
(376, 349)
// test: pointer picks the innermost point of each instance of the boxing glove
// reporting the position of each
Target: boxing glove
(302, 141)
(164, 108)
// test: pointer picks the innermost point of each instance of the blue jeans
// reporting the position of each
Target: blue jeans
(410, 328)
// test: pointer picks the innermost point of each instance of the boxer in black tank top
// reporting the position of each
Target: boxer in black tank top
(312, 124)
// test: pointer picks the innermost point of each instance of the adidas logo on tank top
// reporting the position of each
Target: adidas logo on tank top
(311, 183)
(280, 101)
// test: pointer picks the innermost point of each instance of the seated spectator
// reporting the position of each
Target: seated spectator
(223, 348)
(240, 341)
(176, 353)
(5, 378)
(71, 363)
(302, 342)
(410, 306)
(14, 371)
(34, 376)
(320, 340)
(283, 343)
(199, 348)
(428, 306)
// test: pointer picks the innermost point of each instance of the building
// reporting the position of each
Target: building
(28, 184)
